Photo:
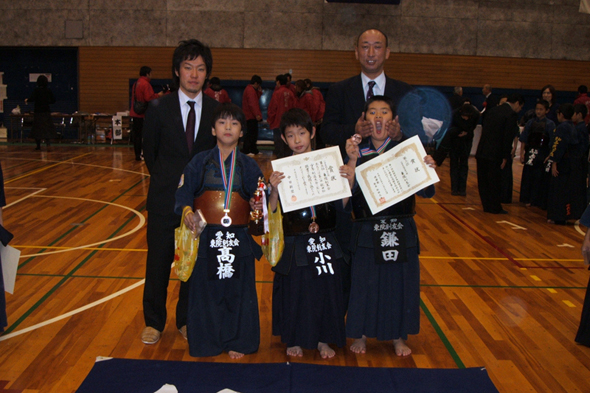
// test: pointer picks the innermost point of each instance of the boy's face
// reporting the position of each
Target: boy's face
(298, 138)
(378, 113)
(228, 131)
(540, 111)
(577, 117)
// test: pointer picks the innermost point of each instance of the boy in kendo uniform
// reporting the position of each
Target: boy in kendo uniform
(223, 304)
(534, 149)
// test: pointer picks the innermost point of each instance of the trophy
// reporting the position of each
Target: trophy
(256, 225)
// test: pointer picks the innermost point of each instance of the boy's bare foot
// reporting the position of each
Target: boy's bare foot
(359, 345)
(235, 355)
(294, 351)
(325, 351)
(401, 349)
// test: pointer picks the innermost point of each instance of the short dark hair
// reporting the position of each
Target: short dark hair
(582, 89)
(256, 79)
(145, 71)
(215, 84)
(385, 99)
(308, 83)
(372, 28)
(545, 103)
(228, 110)
(468, 110)
(581, 108)
(567, 110)
(282, 79)
(516, 97)
(296, 117)
(42, 81)
(288, 75)
(190, 50)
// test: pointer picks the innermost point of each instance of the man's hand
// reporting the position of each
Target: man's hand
(363, 127)
(393, 129)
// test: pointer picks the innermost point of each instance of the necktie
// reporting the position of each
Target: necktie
(370, 91)
(190, 126)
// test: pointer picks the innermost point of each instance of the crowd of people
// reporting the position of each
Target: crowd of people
(372, 287)
(192, 165)
(554, 142)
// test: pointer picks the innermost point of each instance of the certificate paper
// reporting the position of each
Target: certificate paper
(395, 175)
(311, 179)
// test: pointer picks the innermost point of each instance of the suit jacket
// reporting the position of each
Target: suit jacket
(497, 134)
(165, 149)
(345, 103)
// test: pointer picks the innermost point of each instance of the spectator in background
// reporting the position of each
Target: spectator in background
(290, 85)
(494, 151)
(215, 91)
(305, 100)
(43, 127)
(143, 92)
(457, 99)
(320, 104)
(5, 237)
(534, 149)
(566, 199)
(281, 101)
(490, 101)
(548, 94)
(585, 100)
(251, 108)
(463, 124)
(583, 335)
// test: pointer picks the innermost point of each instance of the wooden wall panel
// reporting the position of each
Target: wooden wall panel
(105, 71)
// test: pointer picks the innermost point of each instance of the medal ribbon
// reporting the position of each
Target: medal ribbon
(228, 182)
(313, 215)
(367, 150)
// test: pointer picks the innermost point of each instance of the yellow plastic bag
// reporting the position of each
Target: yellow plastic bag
(185, 251)
(273, 241)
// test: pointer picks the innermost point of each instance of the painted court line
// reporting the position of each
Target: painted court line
(73, 312)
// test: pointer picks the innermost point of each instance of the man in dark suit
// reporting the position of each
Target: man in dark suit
(495, 149)
(490, 101)
(345, 101)
(344, 115)
(177, 126)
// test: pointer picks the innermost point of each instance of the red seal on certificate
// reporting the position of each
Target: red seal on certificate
(293, 198)
(381, 200)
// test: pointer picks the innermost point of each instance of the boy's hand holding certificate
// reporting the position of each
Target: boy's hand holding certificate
(395, 175)
(311, 179)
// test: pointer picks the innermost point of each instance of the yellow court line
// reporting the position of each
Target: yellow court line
(503, 259)
(82, 248)
(45, 168)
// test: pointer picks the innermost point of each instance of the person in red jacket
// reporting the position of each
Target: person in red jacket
(142, 91)
(251, 108)
(320, 104)
(305, 100)
(282, 100)
(584, 99)
(215, 91)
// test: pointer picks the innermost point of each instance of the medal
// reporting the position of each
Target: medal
(228, 185)
(226, 220)
(356, 139)
(313, 227)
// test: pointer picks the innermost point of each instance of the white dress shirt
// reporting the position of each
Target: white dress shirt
(185, 108)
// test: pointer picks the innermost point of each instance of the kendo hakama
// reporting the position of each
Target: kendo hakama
(385, 293)
(223, 304)
(307, 301)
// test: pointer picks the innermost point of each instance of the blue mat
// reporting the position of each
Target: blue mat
(147, 376)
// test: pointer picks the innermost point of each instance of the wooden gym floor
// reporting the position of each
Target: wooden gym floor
(503, 292)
